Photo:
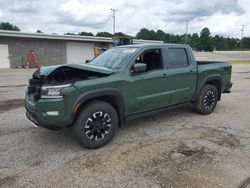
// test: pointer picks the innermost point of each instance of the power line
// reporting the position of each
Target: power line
(242, 32)
(113, 16)
(186, 32)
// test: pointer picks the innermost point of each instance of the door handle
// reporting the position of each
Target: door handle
(190, 72)
(164, 75)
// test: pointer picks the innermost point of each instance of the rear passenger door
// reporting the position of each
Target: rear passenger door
(182, 74)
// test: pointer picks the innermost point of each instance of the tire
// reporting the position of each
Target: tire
(207, 100)
(96, 124)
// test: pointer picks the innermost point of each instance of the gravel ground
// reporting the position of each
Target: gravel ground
(177, 148)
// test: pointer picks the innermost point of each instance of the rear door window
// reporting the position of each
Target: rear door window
(177, 58)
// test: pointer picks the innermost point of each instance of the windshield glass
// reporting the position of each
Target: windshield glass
(114, 58)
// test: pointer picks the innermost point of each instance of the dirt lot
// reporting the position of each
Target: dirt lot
(177, 148)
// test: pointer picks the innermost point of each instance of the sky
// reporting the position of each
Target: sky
(223, 17)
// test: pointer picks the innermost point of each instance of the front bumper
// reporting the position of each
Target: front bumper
(38, 114)
(38, 119)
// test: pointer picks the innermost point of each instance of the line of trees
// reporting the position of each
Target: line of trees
(100, 34)
(8, 26)
(203, 41)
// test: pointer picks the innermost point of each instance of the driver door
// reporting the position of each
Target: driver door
(147, 90)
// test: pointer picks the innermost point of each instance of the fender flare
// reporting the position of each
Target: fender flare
(113, 93)
(216, 77)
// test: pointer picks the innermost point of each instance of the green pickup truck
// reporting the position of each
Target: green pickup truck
(123, 83)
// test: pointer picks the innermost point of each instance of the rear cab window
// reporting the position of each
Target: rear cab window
(177, 58)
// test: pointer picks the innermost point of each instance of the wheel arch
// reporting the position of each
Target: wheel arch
(109, 95)
(215, 80)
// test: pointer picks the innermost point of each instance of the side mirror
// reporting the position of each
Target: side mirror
(87, 61)
(139, 68)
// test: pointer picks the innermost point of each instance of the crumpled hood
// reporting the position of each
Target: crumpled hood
(47, 70)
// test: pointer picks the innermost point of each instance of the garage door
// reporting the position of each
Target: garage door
(79, 52)
(4, 56)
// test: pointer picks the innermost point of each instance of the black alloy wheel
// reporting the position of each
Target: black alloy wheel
(96, 124)
(207, 99)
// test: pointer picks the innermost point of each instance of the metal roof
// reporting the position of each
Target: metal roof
(18, 34)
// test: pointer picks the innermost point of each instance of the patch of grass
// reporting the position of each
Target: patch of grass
(239, 62)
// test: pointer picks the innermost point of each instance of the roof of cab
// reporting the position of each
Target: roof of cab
(153, 45)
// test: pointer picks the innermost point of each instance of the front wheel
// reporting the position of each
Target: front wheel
(96, 124)
(207, 100)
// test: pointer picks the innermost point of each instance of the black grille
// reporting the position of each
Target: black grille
(34, 88)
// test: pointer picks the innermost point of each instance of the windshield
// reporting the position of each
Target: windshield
(114, 58)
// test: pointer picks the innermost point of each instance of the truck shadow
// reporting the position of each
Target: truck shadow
(167, 118)
(164, 116)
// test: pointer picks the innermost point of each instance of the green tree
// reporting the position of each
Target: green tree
(69, 34)
(161, 35)
(205, 40)
(39, 31)
(182, 39)
(144, 34)
(104, 34)
(121, 34)
(233, 43)
(83, 33)
(246, 43)
(8, 26)
(217, 42)
(194, 40)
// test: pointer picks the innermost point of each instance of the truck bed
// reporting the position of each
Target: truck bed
(219, 68)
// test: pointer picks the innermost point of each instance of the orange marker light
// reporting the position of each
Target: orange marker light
(76, 107)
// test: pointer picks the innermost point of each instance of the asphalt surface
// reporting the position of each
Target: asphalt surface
(177, 148)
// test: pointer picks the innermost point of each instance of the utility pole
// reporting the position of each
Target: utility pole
(186, 32)
(242, 32)
(113, 16)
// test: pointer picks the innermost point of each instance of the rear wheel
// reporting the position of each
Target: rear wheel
(207, 100)
(96, 124)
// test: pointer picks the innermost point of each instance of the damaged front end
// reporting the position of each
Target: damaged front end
(45, 99)
(57, 77)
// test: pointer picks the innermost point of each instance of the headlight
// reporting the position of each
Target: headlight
(52, 92)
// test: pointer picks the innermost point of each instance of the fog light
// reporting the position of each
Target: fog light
(52, 113)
